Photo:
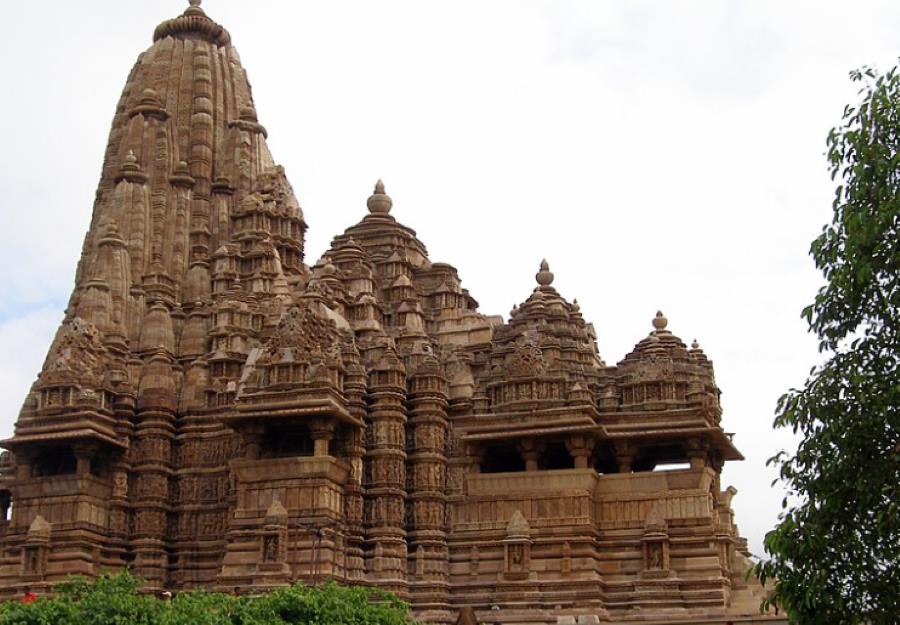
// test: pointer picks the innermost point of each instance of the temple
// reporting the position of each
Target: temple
(215, 413)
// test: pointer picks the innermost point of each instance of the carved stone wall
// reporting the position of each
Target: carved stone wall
(213, 412)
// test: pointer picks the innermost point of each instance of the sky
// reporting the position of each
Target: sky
(660, 155)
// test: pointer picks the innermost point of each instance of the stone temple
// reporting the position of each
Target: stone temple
(213, 412)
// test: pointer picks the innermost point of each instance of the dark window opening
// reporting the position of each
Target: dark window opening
(655, 458)
(57, 461)
(5, 505)
(287, 441)
(502, 459)
(98, 466)
(604, 460)
(556, 456)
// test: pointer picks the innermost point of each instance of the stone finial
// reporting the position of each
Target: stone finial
(695, 344)
(655, 521)
(660, 322)
(518, 526)
(544, 277)
(379, 203)
(194, 3)
(39, 529)
(276, 514)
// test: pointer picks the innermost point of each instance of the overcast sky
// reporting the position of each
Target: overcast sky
(661, 155)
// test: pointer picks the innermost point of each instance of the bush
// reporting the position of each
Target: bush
(113, 599)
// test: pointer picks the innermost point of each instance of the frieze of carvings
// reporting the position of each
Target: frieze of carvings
(385, 511)
(188, 489)
(428, 514)
(655, 367)
(353, 509)
(385, 432)
(210, 524)
(150, 522)
(429, 476)
(210, 487)
(187, 524)
(152, 485)
(455, 477)
(388, 470)
(153, 449)
(118, 521)
(205, 452)
(76, 355)
(430, 437)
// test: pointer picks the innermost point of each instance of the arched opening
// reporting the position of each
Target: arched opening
(556, 456)
(502, 458)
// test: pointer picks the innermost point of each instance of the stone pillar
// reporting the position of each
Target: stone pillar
(83, 454)
(322, 432)
(355, 448)
(580, 447)
(386, 493)
(429, 587)
(697, 453)
(625, 453)
(531, 451)
(153, 469)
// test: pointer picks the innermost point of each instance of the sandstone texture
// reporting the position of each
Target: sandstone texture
(215, 413)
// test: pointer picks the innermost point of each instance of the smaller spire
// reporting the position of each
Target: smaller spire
(660, 322)
(544, 277)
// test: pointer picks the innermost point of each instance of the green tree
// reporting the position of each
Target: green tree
(113, 599)
(834, 557)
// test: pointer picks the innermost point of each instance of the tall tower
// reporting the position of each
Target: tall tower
(194, 229)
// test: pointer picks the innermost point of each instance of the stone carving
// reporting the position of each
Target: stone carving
(205, 371)
(526, 361)
(77, 352)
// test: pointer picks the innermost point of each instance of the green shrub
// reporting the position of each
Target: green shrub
(113, 599)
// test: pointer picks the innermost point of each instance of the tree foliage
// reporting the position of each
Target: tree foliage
(115, 600)
(835, 554)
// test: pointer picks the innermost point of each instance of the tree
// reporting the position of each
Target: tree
(115, 599)
(834, 557)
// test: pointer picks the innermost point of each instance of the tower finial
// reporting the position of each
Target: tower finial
(194, 3)
(379, 202)
(660, 322)
(544, 277)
